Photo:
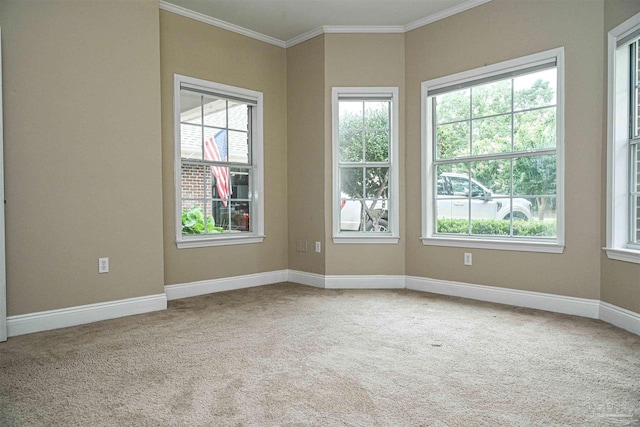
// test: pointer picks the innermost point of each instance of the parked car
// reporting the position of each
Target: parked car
(453, 200)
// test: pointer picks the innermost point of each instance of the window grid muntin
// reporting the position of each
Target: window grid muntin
(511, 155)
(363, 164)
(634, 193)
(226, 128)
(634, 145)
(210, 200)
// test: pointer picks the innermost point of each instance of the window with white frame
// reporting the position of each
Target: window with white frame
(218, 163)
(493, 156)
(365, 171)
(623, 140)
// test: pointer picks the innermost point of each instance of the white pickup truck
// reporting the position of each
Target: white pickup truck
(453, 200)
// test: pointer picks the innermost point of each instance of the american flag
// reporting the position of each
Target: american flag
(213, 147)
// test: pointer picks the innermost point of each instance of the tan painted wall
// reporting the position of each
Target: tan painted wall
(363, 60)
(82, 152)
(495, 32)
(87, 176)
(305, 149)
(195, 49)
(620, 281)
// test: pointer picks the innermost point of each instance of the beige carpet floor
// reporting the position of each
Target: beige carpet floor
(290, 355)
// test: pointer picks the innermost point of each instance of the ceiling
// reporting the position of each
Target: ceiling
(288, 21)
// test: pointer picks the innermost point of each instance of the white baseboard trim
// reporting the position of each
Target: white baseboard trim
(304, 278)
(538, 300)
(72, 316)
(186, 290)
(346, 281)
(364, 282)
(620, 317)
(79, 315)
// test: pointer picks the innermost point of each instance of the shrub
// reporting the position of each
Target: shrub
(193, 222)
(498, 227)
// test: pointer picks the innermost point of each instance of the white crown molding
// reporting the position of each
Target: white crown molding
(79, 315)
(203, 287)
(362, 29)
(444, 14)
(326, 29)
(219, 23)
(304, 37)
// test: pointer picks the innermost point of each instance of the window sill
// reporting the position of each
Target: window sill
(391, 240)
(522, 246)
(623, 254)
(219, 241)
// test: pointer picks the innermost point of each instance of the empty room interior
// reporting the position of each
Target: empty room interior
(435, 222)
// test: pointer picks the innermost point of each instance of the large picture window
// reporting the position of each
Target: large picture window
(623, 141)
(365, 135)
(218, 163)
(493, 156)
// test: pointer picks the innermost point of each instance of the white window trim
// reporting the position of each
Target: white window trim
(257, 155)
(617, 140)
(483, 242)
(357, 237)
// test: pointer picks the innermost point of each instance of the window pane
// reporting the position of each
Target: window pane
(196, 217)
(453, 106)
(215, 144)
(351, 183)
(377, 183)
(220, 182)
(450, 225)
(453, 140)
(196, 181)
(544, 222)
(377, 146)
(232, 217)
(533, 176)
(190, 107)
(492, 98)
(452, 201)
(492, 135)
(491, 217)
(190, 142)
(376, 114)
(239, 216)
(377, 216)
(635, 94)
(534, 129)
(635, 167)
(221, 216)
(535, 90)
(543, 208)
(238, 146)
(351, 145)
(351, 215)
(635, 220)
(491, 178)
(240, 183)
(238, 116)
(215, 111)
(350, 115)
